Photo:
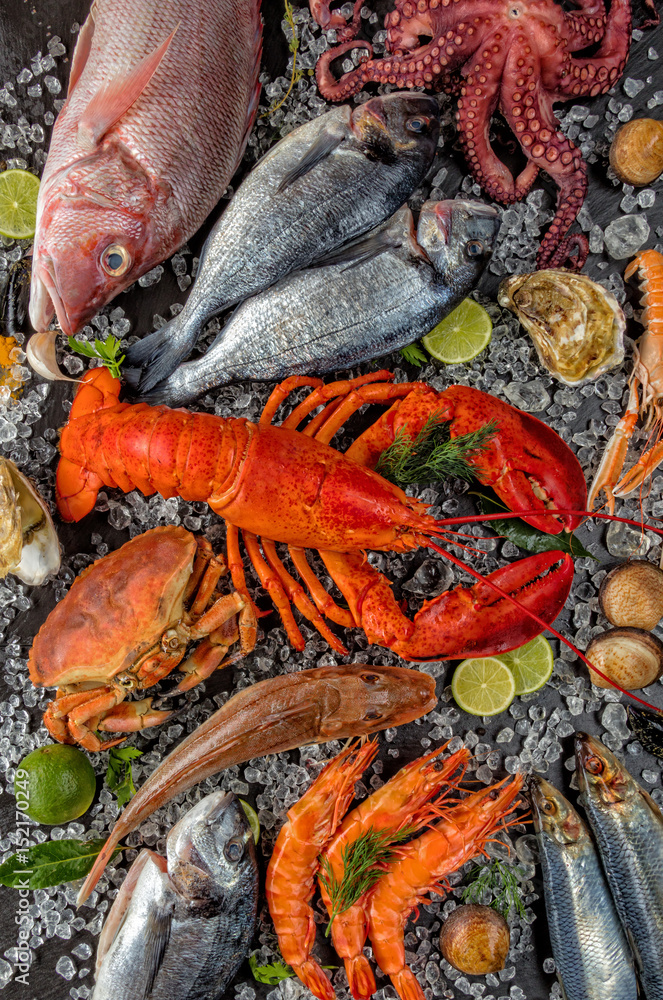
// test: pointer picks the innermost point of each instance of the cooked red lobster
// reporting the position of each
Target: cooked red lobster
(285, 484)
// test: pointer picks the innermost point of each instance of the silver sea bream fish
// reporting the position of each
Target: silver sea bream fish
(327, 182)
(628, 827)
(180, 927)
(590, 950)
(370, 298)
(160, 103)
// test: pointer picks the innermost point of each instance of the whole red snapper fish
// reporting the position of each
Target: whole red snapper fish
(161, 99)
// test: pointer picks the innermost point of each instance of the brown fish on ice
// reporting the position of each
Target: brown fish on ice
(161, 100)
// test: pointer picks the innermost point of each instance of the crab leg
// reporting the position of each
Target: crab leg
(130, 717)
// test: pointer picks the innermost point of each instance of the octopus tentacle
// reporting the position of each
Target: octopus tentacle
(327, 18)
(596, 74)
(586, 26)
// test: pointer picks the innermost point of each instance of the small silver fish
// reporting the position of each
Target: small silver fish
(628, 827)
(590, 950)
(327, 182)
(180, 928)
(371, 297)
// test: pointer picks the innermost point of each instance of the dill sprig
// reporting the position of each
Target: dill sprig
(363, 864)
(433, 454)
(503, 882)
(106, 350)
(296, 73)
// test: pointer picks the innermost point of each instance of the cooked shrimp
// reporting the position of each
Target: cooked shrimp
(400, 802)
(462, 832)
(294, 863)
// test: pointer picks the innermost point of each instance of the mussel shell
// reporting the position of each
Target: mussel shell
(29, 545)
(577, 325)
(631, 657)
(475, 940)
(648, 727)
(636, 153)
(632, 595)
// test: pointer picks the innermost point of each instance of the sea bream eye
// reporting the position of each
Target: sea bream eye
(418, 124)
(474, 248)
(115, 260)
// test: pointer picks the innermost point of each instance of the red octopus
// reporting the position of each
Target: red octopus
(512, 56)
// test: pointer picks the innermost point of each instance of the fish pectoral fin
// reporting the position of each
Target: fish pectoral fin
(116, 97)
(81, 52)
(360, 251)
(155, 936)
(320, 149)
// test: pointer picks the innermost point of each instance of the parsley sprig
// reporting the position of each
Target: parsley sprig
(118, 776)
(106, 350)
(414, 355)
(503, 880)
(433, 454)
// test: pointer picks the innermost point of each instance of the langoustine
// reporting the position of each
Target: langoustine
(312, 706)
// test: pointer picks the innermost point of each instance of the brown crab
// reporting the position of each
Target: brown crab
(125, 624)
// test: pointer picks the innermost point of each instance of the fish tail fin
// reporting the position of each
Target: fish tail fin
(314, 978)
(155, 357)
(406, 984)
(360, 977)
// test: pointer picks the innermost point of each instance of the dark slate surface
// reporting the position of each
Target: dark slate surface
(24, 29)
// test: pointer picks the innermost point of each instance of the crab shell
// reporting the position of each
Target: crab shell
(577, 325)
(116, 610)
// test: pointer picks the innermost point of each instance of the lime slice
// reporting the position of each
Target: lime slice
(531, 664)
(252, 817)
(484, 686)
(18, 203)
(461, 335)
(55, 784)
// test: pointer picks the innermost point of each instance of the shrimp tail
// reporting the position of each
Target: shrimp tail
(406, 984)
(312, 975)
(360, 977)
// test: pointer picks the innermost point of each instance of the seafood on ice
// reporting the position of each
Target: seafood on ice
(125, 624)
(29, 545)
(311, 706)
(181, 926)
(288, 485)
(369, 298)
(328, 181)
(160, 104)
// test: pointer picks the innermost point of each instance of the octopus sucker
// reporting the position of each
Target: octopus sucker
(506, 48)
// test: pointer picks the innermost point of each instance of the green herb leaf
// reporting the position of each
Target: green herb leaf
(363, 863)
(414, 355)
(106, 350)
(118, 776)
(433, 454)
(270, 974)
(51, 863)
(524, 535)
(503, 881)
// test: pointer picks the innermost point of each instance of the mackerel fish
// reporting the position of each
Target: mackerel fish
(628, 827)
(180, 927)
(370, 298)
(327, 182)
(590, 950)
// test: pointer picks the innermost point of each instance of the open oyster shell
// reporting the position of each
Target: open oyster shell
(577, 325)
(29, 545)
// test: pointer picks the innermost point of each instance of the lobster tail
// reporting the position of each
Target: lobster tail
(406, 984)
(360, 977)
(313, 977)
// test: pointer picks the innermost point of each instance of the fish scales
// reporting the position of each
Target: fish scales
(589, 947)
(328, 181)
(152, 176)
(628, 827)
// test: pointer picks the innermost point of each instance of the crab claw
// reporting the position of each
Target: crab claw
(464, 622)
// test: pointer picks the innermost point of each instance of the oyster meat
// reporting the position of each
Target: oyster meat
(29, 545)
(577, 325)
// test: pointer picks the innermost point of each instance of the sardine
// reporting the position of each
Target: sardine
(371, 297)
(311, 706)
(329, 181)
(590, 950)
(628, 827)
(161, 99)
(181, 926)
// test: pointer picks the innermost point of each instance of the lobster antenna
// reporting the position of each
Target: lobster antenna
(531, 614)
(503, 515)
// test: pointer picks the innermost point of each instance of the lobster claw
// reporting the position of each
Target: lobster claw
(464, 622)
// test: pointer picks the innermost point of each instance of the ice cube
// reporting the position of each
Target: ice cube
(624, 236)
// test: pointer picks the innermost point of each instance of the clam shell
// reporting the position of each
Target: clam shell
(636, 153)
(475, 940)
(631, 657)
(29, 545)
(632, 595)
(577, 325)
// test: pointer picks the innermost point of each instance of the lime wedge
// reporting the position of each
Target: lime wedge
(531, 664)
(461, 335)
(18, 203)
(252, 817)
(484, 686)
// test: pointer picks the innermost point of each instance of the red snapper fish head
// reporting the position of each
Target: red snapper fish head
(93, 240)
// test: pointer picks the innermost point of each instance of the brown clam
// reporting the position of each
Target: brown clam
(630, 657)
(636, 153)
(632, 594)
(577, 325)
(475, 940)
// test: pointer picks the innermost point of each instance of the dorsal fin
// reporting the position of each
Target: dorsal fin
(82, 51)
(116, 97)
